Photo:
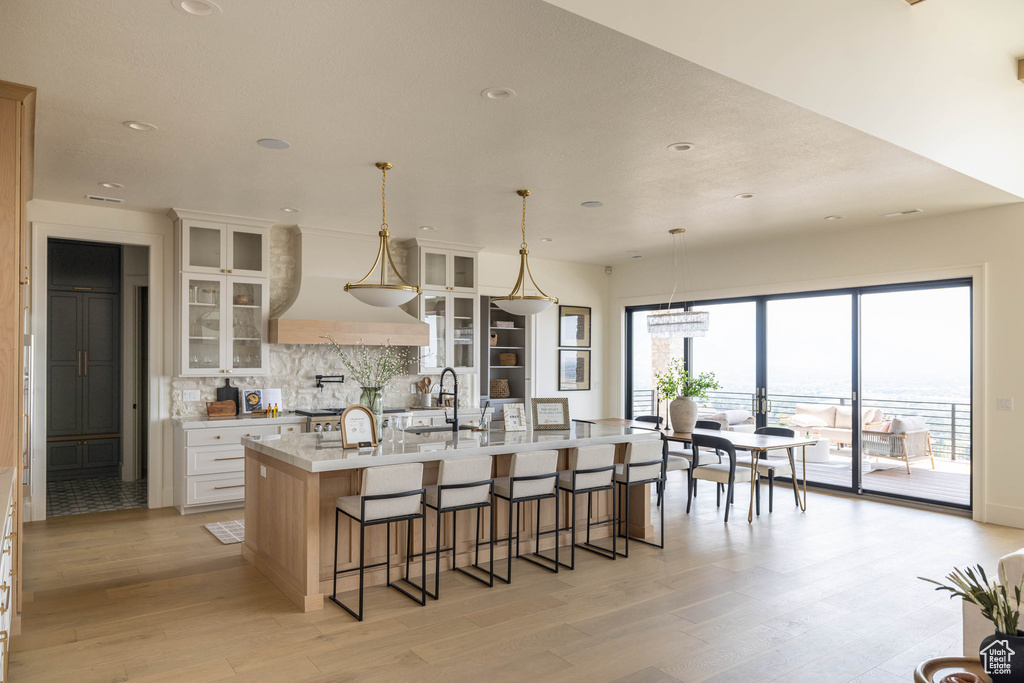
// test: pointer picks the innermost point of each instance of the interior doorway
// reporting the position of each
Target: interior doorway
(93, 373)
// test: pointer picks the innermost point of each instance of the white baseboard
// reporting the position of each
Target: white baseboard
(1005, 515)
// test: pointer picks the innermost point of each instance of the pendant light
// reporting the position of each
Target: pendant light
(381, 293)
(518, 302)
(678, 323)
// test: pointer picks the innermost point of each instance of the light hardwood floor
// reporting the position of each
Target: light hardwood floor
(826, 596)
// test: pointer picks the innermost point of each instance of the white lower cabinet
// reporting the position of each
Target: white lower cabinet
(209, 463)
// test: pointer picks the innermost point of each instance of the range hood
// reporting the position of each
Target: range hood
(320, 306)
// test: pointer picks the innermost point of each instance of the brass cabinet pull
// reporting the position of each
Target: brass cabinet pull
(79, 362)
(236, 486)
(217, 437)
(240, 457)
(82, 289)
(7, 551)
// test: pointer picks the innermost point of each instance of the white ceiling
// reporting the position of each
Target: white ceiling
(349, 83)
(938, 78)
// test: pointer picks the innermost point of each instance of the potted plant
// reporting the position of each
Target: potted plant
(1002, 653)
(683, 389)
(373, 367)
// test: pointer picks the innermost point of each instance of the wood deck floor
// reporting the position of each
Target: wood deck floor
(826, 595)
(948, 483)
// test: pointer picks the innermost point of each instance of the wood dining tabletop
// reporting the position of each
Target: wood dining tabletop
(747, 441)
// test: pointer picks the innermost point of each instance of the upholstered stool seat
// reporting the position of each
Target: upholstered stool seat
(590, 471)
(532, 476)
(644, 464)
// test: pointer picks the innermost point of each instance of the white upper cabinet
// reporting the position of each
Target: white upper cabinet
(447, 273)
(224, 247)
(223, 294)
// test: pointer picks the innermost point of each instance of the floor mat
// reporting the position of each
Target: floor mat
(228, 532)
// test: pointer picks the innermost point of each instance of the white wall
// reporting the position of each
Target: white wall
(575, 284)
(986, 244)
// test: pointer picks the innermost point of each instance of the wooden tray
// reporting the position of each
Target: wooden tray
(934, 670)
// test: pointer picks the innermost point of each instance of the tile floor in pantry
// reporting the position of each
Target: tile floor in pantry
(75, 496)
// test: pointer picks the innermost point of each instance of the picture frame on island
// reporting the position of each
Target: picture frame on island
(515, 417)
(358, 428)
(550, 413)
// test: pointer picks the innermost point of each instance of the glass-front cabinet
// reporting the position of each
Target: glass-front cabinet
(223, 248)
(447, 269)
(225, 324)
(452, 319)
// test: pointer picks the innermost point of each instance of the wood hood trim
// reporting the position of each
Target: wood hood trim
(290, 331)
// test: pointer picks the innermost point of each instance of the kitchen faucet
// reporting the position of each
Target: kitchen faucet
(454, 393)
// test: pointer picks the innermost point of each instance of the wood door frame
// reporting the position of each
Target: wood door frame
(159, 451)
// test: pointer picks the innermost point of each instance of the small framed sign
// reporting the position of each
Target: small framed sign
(550, 413)
(515, 417)
(252, 401)
(574, 326)
(358, 428)
(574, 369)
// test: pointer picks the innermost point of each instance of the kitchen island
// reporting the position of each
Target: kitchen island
(293, 480)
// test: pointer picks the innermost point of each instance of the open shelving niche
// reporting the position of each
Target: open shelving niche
(510, 340)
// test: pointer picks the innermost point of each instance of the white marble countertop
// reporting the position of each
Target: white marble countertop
(204, 422)
(323, 452)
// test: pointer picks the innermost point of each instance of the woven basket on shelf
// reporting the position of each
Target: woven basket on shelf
(507, 359)
(499, 388)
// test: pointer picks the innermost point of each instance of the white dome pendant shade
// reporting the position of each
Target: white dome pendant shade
(383, 294)
(518, 302)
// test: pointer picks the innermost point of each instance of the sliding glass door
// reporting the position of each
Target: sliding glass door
(880, 376)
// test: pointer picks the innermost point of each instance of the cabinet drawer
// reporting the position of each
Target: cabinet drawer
(291, 429)
(421, 422)
(215, 488)
(229, 436)
(215, 459)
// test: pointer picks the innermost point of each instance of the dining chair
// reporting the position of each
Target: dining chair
(653, 419)
(773, 466)
(725, 473)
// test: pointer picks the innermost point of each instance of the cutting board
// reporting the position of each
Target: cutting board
(221, 409)
(228, 393)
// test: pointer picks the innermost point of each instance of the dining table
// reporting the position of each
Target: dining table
(757, 444)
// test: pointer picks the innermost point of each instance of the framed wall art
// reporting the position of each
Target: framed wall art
(550, 413)
(574, 326)
(358, 428)
(573, 370)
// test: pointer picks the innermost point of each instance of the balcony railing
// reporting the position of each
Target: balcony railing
(949, 422)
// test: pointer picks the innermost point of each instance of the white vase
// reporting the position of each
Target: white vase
(683, 413)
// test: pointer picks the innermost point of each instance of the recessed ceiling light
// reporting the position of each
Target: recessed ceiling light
(744, 195)
(902, 213)
(427, 227)
(498, 93)
(272, 143)
(592, 205)
(112, 186)
(198, 8)
(833, 218)
(139, 125)
(291, 209)
(546, 239)
(681, 146)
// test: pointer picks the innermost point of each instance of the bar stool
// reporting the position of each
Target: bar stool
(590, 470)
(463, 484)
(644, 464)
(390, 493)
(531, 476)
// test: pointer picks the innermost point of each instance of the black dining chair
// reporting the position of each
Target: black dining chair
(653, 419)
(721, 473)
(773, 466)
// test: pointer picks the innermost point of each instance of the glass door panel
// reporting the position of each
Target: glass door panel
(434, 315)
(809, 379)
(247, 325)
(463, 331)
(916, 383)
(204, 323)
(435, 270)
(650, 355)
(729, 349)
(247, 251)
(204, 247)
(464, 270)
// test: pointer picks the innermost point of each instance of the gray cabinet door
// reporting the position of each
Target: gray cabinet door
(64, 380)
(62, 455)
(101, 378)
(101, 457)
